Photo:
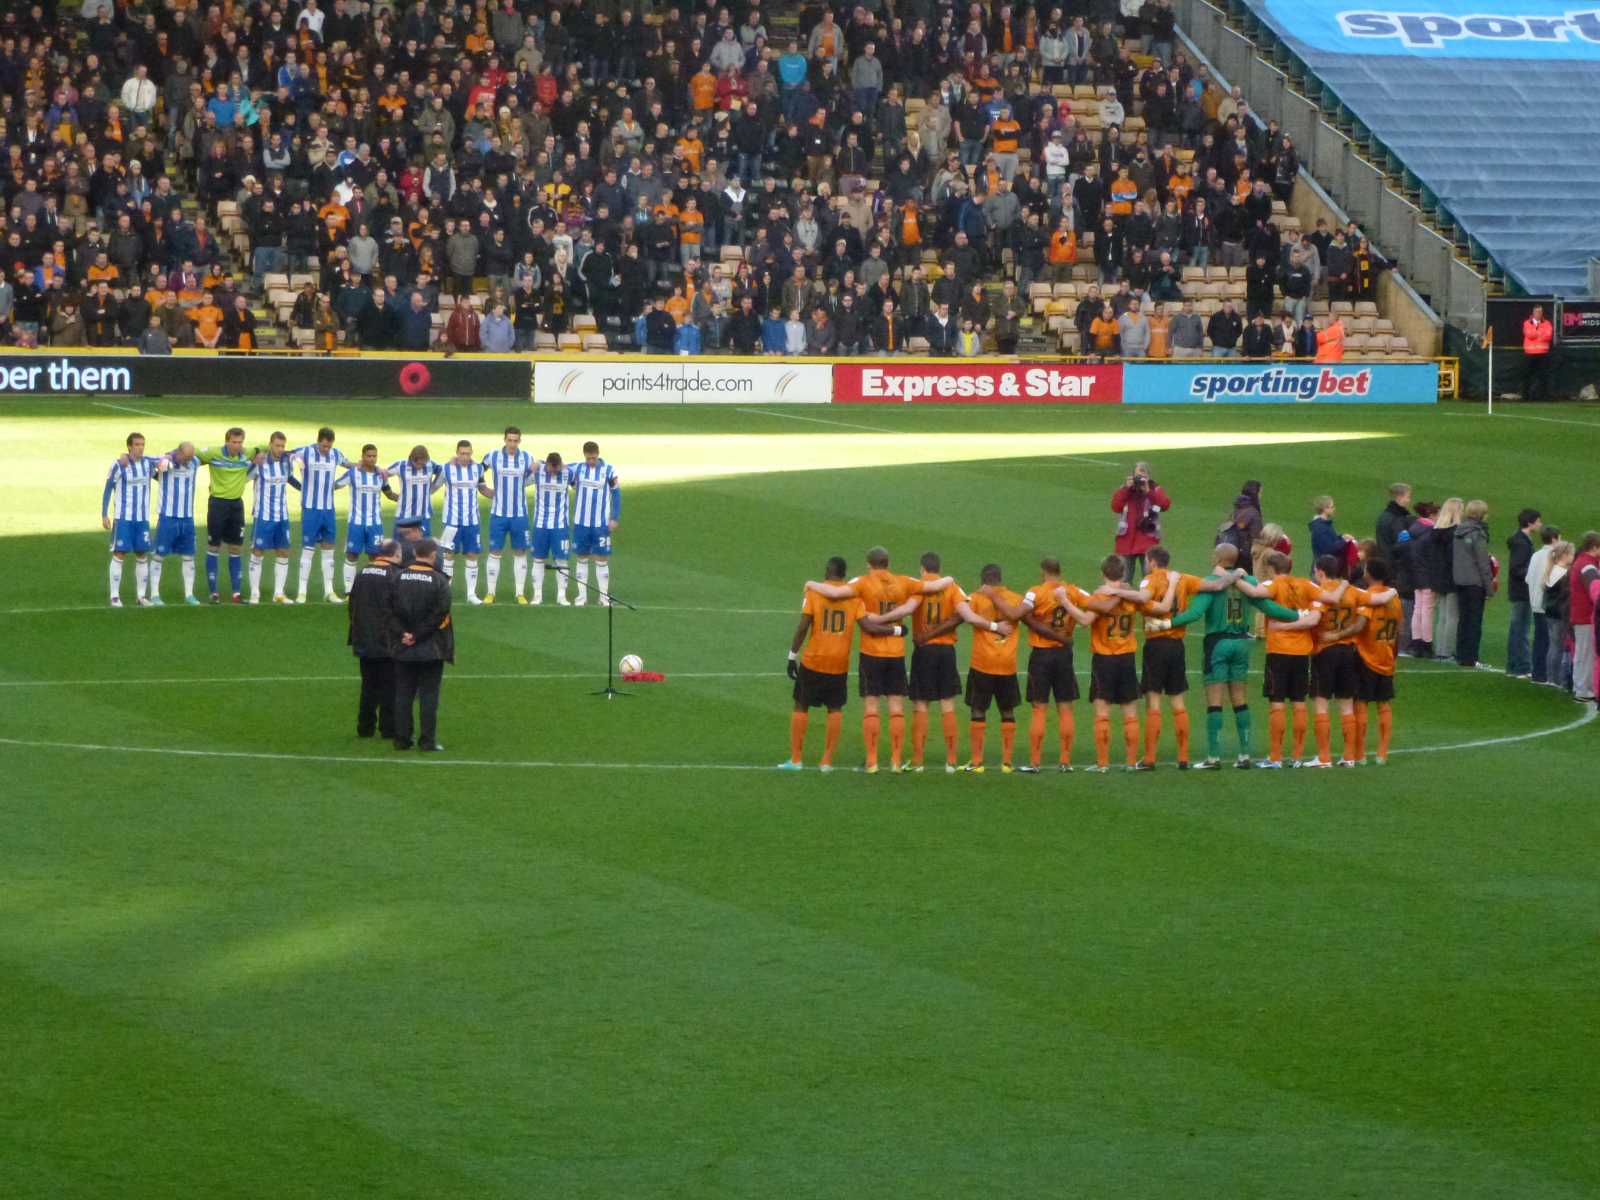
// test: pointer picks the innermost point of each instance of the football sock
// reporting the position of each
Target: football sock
(948, 720)
(1214, 731)
(1152, 733)
(919, 735)
(582, 572)
(349, 576)
(327, 570)
(1275, 726)
(976, 732)
(897, 736)
(188, 575)
(255, 577)
(1385, 729)
(1102, 740)
(116, 577)
(869, 733)
(1298, 729)
(602, 575)
(1130, 738)
(211, 571)
(1361, 734)
(472, 577)
(1008, 739)
(1347, 727)
(1324, 729)
(141, 577)
(1241, 726)
(235, 572)
(155, 577)
(830, 740)
(280, 576)
(305, 570)
(538, 578)
(797, 735)
(1180, 727)
(1035, 735)
(493, 580)
(1067, 728)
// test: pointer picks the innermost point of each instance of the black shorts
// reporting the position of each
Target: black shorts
(1288, 677)
(983, 687)
(224, 522)
(1166, 671)
(1373, 688)
(1336, 673)
(933, 673)
(1050, 672)
(881, 676)
(813, 689)
(1113, 678)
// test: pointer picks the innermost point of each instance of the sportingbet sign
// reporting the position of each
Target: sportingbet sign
(889, 382)
(1219, 381)
(659, 380)
(1526, 29)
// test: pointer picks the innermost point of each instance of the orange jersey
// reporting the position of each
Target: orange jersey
(1380, 637)
(881, 591)
(1048, 609)
(935, 610)
(1112, 632)
(1291, 593)
(833, 625)
(1156, 583)
(1338, 618)
(992, 653)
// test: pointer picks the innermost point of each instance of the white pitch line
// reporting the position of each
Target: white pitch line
(1590, 712)
(143, 412)
(656, 608)
(1531, 417)
(761, 412)
(232, 679)
(1099, 462)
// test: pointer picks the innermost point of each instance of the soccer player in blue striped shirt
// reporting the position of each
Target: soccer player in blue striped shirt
(597, 503)
(364, 532)
(320, 466)
(273, 473)
(552, 483)
(127, 493)
(418, 477)
(463, 478)
(512, 468)
(180, 474)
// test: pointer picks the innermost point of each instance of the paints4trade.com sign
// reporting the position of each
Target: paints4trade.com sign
(889, 382)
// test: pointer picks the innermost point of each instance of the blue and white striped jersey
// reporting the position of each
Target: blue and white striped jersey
(592, 507)
(511, 480)
(130, 489)
(272, 487)
(550, 497)
(366, 495)
(461, 493)
(318, 473)
(416, 489)
(178, 483)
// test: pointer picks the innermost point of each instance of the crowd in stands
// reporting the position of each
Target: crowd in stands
(501, 176)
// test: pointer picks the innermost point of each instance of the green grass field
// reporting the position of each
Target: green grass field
(600, 949)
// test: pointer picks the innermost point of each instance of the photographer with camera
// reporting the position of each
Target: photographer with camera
(1139, 503)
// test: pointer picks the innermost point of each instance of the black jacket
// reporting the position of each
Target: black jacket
(1438, 561)
(421, 607)
(1394, 520)
(369, 604)
(1521, 547)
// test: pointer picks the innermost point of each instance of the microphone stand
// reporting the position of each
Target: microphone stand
(611, 604)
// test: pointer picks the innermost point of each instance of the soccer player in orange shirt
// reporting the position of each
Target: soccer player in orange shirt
(1377, 639)
(992, 674)
(1053, 610)
(888, 597)
(1335, 664)
(934, 674)
(1113, 678)
(821, 674)
(1166, 672)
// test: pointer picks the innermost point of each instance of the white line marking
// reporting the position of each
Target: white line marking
(1590, 712)
(1099, 462)
(761, 412)
(143, 412)
(231, 679)
(655, 608)
(1531, 417)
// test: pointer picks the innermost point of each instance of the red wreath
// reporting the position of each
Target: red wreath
(414, 378)
(644, 677)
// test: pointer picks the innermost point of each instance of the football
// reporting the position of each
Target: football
(630, 663)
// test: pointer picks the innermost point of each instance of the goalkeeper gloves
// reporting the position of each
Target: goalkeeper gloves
(794, 666)
(1158, 625)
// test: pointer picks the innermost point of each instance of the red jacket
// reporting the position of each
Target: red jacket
(1536, 336)
(1134, 507)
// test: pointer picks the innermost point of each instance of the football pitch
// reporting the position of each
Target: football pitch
(602, 949)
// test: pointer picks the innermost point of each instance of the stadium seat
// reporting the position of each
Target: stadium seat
(584, 323)
(544, 341)
(274, 280)
(595, 343)
(1342, 307)
(1035, 290)
(1063, 289)
(569, 342)
(918, 345)
(1366, 308)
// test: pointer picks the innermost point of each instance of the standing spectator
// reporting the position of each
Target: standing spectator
(368, 605)
(498, 334)
(1244, 524)
(1330, 340)
(1474, 578)
(154, 340)
(1138, 503)
(1224, 330)
(1580, 615)
(1133, 335)
(1536, 335)
(1257, 343)
(1188, 333)
(416, 324)
(1533, 581)
(1414, 549)
(461, 256)
(1442, 577)
(1394, 520)
(1555, 588)
(463, 331)
(1519, 663)
(422, 641)
(1325, 539)
(139, 97)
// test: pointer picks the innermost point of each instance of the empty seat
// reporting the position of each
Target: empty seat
(917, 345)
(1366, 308)
(569, 342)
(595, 342)
(1194, 275)
(274, 280)
(584, 323)
(1343, 307)
(544, 341)
(1035, 290)
(1063, 289)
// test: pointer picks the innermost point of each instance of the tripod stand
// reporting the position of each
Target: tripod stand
(611, 603)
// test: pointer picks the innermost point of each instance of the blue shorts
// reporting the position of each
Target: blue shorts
(462, 539)
(550, 543)
(175, 535)
(426, 525)
(270, 535)
(130, 537)
(591, 541)
(318, 528)
(500, 528)
(362, 539)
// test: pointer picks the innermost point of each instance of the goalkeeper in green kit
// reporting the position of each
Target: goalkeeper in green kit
(1227, 648)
